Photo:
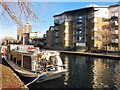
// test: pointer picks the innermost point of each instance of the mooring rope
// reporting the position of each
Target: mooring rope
(33, 80)
(40, 75)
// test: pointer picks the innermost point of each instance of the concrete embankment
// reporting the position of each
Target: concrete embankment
(9, 78)
(108, 55)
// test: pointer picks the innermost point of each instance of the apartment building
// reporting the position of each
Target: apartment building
(114, 19)
(27, 31)
(52, 37)
(84, 27)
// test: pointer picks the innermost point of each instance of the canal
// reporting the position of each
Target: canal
(85, 72)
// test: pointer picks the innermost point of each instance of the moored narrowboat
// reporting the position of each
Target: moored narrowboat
(31, 63)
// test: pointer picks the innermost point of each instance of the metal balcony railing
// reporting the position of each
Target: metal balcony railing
(114, 41)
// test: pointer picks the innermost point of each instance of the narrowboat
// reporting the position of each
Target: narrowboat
(31, 63)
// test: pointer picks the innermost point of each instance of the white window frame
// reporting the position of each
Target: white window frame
(66, 23)
(66, 30)
(95, 20)
(95, 28)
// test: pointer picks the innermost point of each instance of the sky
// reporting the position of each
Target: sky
(45, 12)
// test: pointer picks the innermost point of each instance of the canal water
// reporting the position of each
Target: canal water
(85, 72)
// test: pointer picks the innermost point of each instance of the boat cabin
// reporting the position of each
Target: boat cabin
(33, 61)
(24, 59)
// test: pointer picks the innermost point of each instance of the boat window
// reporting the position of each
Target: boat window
(19, 59)
(27, 62)
(52, 60)
(11, 57)
(14, 57)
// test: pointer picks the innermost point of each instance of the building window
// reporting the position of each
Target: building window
(56, 40)
(80, 20)
(80, 32)
(66, 38)
(80, 38)
(66, 30)
(66, 43)
(95, 20)
(66, 23)
(80, 17)
(56, 28)
(95, 28)
(95, 45)
(57, 34)
(96, 37)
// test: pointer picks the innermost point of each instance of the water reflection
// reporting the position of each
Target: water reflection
(106, 73)
(67, 70)
(90, 72)
(86, 72)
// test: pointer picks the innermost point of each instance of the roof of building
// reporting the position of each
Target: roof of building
(114, 5)
(87, 8)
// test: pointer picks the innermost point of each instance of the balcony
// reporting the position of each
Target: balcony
(114, 41)
(115, 23)
(114, 15)
(95, 29)
(56, 40)
(116, 32)
(66, 31)
(66, 38)
(56, 28)
(56, 34)
(56, 22)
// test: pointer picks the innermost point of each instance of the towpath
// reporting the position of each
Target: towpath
(8, 79)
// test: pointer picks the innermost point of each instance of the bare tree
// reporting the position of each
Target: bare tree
(106, 35)
(19, 10)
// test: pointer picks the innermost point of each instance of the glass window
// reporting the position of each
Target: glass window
(95, 28)
(14, 57)
(95, 45)
(19, 59)
(80, 17)
(66, 30)
(11, 57)
(66, 23)
(95, 20)
(66, 38)
(27, 62)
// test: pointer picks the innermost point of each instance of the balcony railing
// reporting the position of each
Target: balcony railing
(115, 23)
(114, 41)
(66, 31)
(56, 28)
(114, 15)
(66, 38)
(116, 32)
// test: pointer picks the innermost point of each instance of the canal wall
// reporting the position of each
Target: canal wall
(108, 55)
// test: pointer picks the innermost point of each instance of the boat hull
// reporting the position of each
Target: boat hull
(30, 76)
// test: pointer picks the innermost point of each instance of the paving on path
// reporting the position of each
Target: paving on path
(9, 78)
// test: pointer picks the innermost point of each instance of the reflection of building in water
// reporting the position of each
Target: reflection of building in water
(119, 74)
(67, 70)
(106, 73)
(98, 72)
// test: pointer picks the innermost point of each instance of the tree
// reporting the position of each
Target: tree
(19, 10)
(106, 35)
